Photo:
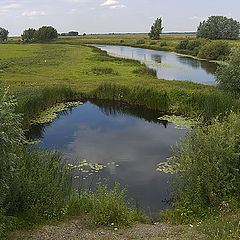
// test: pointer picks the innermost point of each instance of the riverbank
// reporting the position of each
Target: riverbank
(91, 73)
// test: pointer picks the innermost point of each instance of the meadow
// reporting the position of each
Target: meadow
(28, 68)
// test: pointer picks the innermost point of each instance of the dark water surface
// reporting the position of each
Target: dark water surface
(132, 137)
(168, 65)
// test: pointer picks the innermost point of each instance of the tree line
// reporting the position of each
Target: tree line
(215, 27)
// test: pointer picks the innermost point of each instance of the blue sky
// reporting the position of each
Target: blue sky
(100, 16)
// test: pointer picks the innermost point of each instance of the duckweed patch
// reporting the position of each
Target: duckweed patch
(51, 113)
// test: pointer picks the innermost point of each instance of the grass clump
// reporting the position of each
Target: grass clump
(103, 70)
(145, 71)
(107, 207)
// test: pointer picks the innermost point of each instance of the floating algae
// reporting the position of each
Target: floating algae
(51, 113)
(86, 169)
(179, 121)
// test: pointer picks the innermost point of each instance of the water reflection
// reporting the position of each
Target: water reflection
(102, 132)
(168, 65)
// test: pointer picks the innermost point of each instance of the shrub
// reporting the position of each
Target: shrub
(214, 50)
(140, 41)
(11, 137)
(207, 165)
(182, 44)
(163, 44)
(228, 75)
(41, 186)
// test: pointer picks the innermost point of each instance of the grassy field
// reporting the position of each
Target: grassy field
(29, 67)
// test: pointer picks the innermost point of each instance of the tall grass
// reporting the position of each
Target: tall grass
(108, 207)
(33, 101)
(137, 95)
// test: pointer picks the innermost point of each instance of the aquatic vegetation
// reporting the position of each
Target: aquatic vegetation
(51, 113)
(166, 167)
(180, 122)
(85, 169)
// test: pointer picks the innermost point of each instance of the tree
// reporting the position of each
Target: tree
(46, 33)
(29, 35)
(156, 29)
(219, 27)
(228, 75)
(3, 34)
(73, 33)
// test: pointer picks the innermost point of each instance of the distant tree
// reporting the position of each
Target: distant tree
(29, 35)
(156, 29)
(219, 27)
(84, 34)
(73, 33)
(3, 34)
(228, 75)
(46, 33)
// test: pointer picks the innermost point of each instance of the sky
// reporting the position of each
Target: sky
(106, 16)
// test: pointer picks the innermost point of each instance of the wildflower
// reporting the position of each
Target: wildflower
(112, 224)
(115, 229)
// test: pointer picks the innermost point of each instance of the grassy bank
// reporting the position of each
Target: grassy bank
(41, 75)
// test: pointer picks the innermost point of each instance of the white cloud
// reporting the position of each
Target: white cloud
(196, 18)
(33, 13)
(109, 3)
(73, 11)
(10, 6)
(117, 6)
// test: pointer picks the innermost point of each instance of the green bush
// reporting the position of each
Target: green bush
(214, 50)
(228, 75)
(11, 137)
(183, 44)
(41, 187)
(207, 165)
(140, 41)
(163, 44)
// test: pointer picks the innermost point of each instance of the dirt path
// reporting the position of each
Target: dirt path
(76, 229)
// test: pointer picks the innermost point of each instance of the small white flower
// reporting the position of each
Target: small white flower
(190, 225)
(112, 224)
(115, 229)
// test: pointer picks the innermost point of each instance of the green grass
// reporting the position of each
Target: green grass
(74, 71)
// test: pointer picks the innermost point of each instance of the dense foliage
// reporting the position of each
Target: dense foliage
(156, 29)
(214, 50)
(3, 34)
(11, 137)
(207, 164)
(44, 33)
(202, 48)
(29, 34)
(219, 27)
(190, 46)
(228, 75)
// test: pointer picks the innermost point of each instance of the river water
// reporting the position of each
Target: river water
(169, 65)
(132, 137)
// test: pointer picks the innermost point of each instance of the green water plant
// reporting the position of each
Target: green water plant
(51, 113)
